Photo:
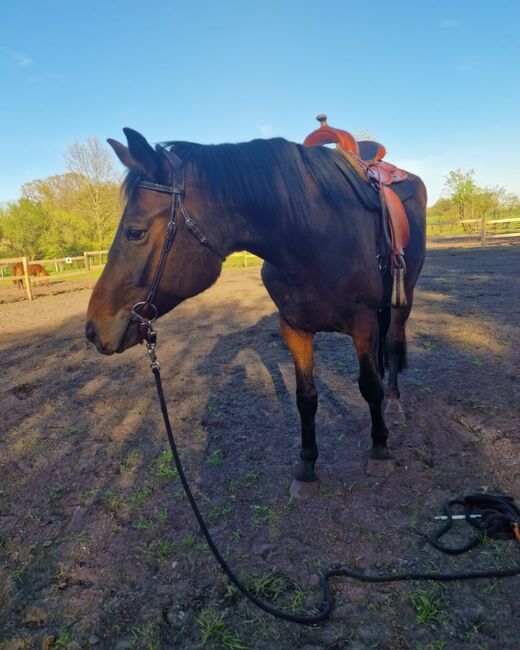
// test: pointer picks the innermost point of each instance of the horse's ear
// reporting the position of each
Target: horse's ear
(142, 154)
(121, 152)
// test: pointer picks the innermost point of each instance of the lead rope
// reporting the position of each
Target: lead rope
(496, 507)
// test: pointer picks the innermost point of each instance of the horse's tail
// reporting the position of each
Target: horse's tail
(384, 315)
(398, 350)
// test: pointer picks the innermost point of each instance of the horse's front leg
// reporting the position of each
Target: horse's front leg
(305, 482)
(365, 335)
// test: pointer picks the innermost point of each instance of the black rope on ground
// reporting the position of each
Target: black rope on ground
(500, 517)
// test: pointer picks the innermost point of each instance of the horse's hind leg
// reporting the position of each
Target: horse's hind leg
(365, 335)
(300, 346)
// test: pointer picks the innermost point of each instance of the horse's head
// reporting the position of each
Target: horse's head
(133, 259)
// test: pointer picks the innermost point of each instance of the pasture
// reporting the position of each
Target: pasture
(98, 546)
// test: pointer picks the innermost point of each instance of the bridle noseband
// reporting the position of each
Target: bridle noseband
(145, 311)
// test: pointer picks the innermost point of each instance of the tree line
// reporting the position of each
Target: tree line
(68, 213)
(465, 200)
(79, 210)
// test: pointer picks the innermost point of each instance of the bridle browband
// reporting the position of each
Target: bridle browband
(145, 311)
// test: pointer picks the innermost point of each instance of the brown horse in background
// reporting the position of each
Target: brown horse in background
(35, 270)
(318, 231)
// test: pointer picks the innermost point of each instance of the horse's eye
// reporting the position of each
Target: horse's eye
(135, 234)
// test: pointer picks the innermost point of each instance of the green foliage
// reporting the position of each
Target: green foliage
(25, 227)
(466, 200)
(68, 213)
(461, 188)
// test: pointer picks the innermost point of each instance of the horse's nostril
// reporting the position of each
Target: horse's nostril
(90, 332)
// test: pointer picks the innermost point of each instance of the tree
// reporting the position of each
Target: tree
(98, 199)
(462, 188)
(24, 227)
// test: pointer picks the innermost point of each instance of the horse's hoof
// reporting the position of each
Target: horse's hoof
(303, 490)
(394, 411)
(379, 468)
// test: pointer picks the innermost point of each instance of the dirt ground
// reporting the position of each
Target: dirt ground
(98, 546)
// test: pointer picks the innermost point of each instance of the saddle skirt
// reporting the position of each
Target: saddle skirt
(366, 157)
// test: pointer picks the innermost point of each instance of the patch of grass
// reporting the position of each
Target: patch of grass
(56, 492)
(427, 604)
(131, 462)
(188, 541)
(243, 482)
(74, 429)
(438, 644)
(268, 585)
(218, 511)
(497, 551)
(140, 497)
(112, 499)
(160, 549)
(215, 633)
(143, 524)
(215, 458)
(162, 466)
(162, 515)
(62, 641)
(297, 600)
(147, 636)
(427, 343)
(490, 588)
(86, 495)
(264, 515)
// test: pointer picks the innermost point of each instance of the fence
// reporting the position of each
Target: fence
(76, 264)
(79, 264)
(484, 230)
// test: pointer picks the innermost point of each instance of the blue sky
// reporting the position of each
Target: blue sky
(437, 82)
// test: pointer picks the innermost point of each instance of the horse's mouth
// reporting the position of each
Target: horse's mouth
(128, 338)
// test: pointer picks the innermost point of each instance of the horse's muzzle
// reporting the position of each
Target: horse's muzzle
(128, 338)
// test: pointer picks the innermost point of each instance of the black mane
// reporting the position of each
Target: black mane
(268, 177)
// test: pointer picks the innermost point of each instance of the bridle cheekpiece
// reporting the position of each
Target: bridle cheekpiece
(146, 311)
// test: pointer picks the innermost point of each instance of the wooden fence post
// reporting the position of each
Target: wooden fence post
(483, 226)
(85, 259)
(245, 259)
(27, 281)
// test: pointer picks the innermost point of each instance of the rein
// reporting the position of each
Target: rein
(499, 514)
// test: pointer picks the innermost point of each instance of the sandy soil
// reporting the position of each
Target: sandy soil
(98, 547)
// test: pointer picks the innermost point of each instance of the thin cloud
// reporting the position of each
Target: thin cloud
(449, 23)
(21, 60)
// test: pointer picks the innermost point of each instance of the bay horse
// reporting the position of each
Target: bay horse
(34, 270)
(298, 209)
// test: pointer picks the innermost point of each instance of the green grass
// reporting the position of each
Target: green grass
(428, 606)
(140, 497)
(215, 633)
(162, 466)
(215, 458)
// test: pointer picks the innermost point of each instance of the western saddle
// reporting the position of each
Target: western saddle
(366, 157)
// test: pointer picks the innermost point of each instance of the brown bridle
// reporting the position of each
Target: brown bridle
(145, 311)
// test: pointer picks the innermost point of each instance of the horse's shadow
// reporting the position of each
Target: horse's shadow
(252, 395)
